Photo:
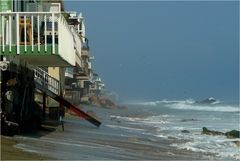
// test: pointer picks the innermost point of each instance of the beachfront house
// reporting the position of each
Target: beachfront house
(39, 41)
(97, 85)
(79, 79)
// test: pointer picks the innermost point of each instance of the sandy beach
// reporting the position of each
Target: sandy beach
(82, 141)
(9, 152)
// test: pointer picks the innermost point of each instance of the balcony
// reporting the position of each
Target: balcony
(85, 48)
(85, 53)
(69, 72)
(41, 38)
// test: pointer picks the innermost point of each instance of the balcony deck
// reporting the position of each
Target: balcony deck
(28, 35)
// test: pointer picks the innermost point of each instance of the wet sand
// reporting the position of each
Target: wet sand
(83, 141)
(9, 152)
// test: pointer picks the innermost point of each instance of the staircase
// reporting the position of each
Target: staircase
(50, 86)
(46, 81)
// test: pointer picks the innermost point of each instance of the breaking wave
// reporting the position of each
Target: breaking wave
(164, 101)
(223, 148)
(218, 108)
(191, 104)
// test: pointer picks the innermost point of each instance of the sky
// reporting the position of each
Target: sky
(164, 50)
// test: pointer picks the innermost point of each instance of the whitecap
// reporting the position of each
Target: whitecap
(218, 108)
(161, 136)
(218, 145)
(164, 101)
(25, 147)
(125, 128)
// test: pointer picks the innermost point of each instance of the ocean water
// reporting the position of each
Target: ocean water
(169, 118)
(146, 131)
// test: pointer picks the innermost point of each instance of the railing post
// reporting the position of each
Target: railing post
(10, 33)
(25, 34)
(38, 28)
(6, 32)
(53, 34)
(3, 45)
(45, 32)
(59, 22)
(17, 27)
(32, 32)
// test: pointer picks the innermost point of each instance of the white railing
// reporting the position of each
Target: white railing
(37, 32)
(46, 81)
(29, 29)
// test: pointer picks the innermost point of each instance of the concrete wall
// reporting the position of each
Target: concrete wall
(54, 72)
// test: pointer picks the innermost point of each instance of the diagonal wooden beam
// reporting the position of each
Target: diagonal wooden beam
(70, 106)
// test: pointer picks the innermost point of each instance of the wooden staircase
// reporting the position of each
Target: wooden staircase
(50, 86)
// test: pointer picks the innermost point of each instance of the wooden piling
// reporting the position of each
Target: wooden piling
(44, 106)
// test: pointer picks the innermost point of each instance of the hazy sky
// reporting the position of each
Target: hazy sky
(165, 50)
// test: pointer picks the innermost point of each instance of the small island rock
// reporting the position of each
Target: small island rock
(233, 134)
(209, 100)
(211, 132)
(185, 131)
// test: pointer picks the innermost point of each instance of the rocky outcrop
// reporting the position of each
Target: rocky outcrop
(101, 101)
(209, 100)
(233, 134)
(211, 132)
(185, 131)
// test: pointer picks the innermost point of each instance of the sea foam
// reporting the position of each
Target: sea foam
(164, 101)
(189, 104)
(218, 108)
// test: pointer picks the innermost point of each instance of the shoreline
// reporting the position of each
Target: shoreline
(89, 143)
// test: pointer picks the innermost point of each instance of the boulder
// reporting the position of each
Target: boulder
(209, 100)
(101, 101)
(211, 132)
(233, 134)
(185, 131)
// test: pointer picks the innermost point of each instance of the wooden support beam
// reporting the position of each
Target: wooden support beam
(44, 106)
(67, 104)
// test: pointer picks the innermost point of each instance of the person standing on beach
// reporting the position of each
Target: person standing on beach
(61, 120)
(61, 115)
